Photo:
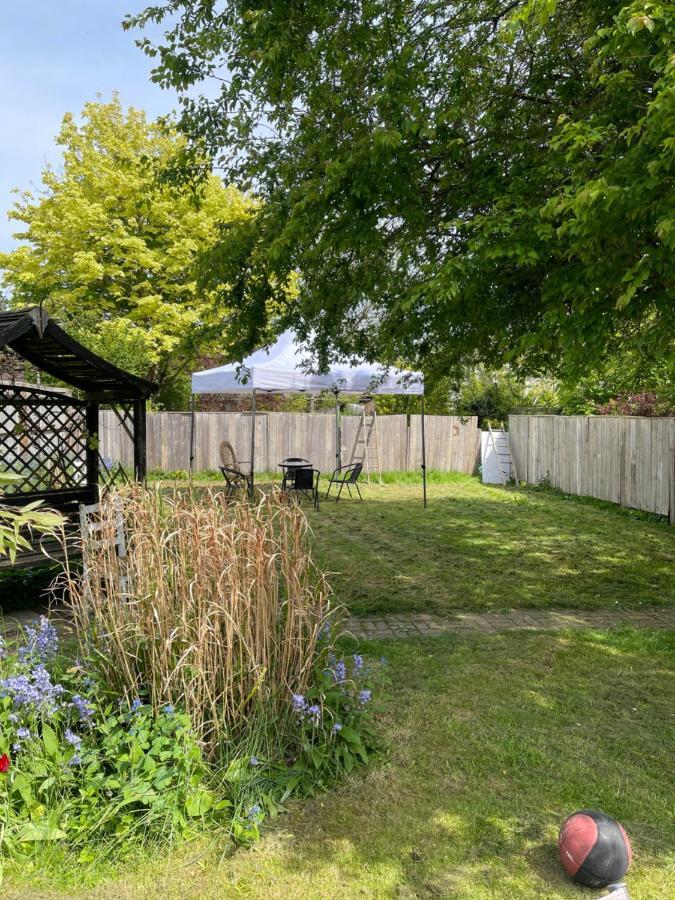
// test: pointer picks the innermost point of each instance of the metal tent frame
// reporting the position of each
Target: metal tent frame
(289, 377)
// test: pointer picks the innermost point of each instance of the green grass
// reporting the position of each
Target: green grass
(488, 548)
(491, 741)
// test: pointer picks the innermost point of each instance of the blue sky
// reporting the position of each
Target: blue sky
(55, 55)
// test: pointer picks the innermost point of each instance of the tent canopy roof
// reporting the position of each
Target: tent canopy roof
(281, 368)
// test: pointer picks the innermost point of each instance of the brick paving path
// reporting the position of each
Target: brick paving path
(404, 625)
(12, 622)
(416, 624)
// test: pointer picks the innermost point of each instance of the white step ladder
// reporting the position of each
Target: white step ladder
(366, 448)
(502, 451)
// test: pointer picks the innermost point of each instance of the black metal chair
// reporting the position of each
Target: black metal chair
(289, 465)
(235, 481)
(303, 482)
(346, 476)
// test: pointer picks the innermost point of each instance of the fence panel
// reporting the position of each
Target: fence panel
(452, 442)
(623, 459)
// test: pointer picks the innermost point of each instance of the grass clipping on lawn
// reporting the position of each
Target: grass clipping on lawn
(216, 608)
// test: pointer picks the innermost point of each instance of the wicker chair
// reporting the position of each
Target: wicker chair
(228, 457)
(235, 479)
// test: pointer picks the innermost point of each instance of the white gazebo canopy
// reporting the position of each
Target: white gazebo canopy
(282, 368)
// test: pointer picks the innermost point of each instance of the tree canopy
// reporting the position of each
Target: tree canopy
(111, 241)
(452, 181)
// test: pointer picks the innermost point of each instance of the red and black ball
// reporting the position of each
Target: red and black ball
(594, 849)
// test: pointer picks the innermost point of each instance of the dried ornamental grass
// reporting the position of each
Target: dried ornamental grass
(216, 608)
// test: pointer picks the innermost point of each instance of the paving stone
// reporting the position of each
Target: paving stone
(426, 624)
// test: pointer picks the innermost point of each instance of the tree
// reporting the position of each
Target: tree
(111, 240)
(451, 181)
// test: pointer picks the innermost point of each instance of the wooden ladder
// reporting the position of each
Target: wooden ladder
(502, 450)
(366, 447)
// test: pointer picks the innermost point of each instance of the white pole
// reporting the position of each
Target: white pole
(424, 459)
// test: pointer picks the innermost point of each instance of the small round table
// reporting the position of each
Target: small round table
(288, 466)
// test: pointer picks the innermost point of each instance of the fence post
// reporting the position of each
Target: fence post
(671, 503)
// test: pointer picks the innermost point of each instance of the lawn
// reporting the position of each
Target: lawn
(490, 741)
(490, 548)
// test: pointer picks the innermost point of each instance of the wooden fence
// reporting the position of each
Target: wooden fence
(623, 459)
(452, 443)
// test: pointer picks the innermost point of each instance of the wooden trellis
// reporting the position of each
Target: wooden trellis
(49, 437)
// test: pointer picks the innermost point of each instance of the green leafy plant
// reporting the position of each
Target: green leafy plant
(87, 769)
(16, 521)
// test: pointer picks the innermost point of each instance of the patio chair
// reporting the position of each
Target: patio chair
(346, 476)
(235, 480)
(303, 482)
(228, 457)
(289, 465)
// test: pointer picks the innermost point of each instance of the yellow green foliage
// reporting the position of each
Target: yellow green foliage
(110, 241)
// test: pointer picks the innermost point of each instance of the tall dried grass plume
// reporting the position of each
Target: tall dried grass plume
(214, 607)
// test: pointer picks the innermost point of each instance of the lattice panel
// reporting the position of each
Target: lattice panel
(12, 367)
(43, 438)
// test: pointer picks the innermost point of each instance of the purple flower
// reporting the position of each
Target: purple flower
(358, 663)
(254, 761)
(254, 810)
(364, 697)
(42, 642)
(84, 709)
(136, 705)
(299, 703)
(33, 691)
(315, 712)
(23, 734)
(73, 739)
(337, 727)
(340, 672)
(75, 760)
(168, 710)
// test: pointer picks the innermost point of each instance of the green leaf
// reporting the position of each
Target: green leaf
(50, 741)
(199, 804)
(34, 832)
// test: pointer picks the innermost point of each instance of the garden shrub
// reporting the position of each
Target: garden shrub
(82, 767)
(208, 661)
(26, 588)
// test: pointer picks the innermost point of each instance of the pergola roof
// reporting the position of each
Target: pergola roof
(38, 339)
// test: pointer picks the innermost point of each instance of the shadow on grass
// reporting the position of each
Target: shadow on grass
(492, 742)
(489, 548)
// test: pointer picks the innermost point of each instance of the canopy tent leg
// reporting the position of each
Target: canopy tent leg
(252, 479)
(338, 432)
(192, 434)
(424, 459)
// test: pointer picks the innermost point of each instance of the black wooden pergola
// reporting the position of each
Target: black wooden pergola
(47, 436)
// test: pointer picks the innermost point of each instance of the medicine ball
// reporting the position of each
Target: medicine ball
(594, 849)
